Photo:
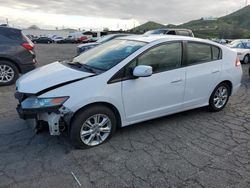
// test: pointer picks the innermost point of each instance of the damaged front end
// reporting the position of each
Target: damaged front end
(48, 111)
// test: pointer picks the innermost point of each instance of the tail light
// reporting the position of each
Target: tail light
(28, 46)
(237, 62)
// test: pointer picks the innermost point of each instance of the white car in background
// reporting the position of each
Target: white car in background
(57, 39)
(126, 81)
(84, 47)
(242, 47)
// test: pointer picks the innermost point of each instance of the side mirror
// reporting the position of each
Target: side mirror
(142, 71)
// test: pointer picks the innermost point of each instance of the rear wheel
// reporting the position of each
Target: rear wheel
(246, 59)
(8, 73)
(92, 126)
(219, 97)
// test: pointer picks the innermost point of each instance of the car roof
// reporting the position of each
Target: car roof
(177, 29)
(8, 28)
(152, 38)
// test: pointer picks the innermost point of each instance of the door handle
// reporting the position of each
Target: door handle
(176, 81)
(215, 71)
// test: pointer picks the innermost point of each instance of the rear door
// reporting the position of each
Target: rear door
(204, 63)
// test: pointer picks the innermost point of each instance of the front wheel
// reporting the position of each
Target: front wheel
(219, 97)
(92, 126)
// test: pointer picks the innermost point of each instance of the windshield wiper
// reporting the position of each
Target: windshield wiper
(79, 65)
(89, 68)
(76, 64)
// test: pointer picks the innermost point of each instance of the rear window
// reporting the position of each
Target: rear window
(12, 34)
(184, 33)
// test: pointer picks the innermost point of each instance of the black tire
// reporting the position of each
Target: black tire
(212, 106)
(246, 59)
(84, 115)
(15, 70)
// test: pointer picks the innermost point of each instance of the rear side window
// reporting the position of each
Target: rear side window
(201, 53)
(216, 53)
(198, 53)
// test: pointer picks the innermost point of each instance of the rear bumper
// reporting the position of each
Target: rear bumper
(241, 57)
(236, 88)
(27, 67)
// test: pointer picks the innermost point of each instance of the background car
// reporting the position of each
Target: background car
(84, 47)
(242, 47)
(182, 32)
(57, 39)
(43, 40)
(17, 55)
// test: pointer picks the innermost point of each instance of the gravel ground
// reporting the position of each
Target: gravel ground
(191, 149)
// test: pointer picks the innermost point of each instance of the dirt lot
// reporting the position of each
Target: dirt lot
(191, 149)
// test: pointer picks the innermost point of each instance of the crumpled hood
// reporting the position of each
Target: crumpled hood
(48, 76)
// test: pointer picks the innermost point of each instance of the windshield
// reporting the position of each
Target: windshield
(107, 55)
(235, 43)
(247, 45)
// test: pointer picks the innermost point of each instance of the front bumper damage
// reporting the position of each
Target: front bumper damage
(57, 118)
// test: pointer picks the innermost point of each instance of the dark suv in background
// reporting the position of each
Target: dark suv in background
(17, 55)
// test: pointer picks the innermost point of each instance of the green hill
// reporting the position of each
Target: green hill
(239, 18)
(235, 25)
(147, 26)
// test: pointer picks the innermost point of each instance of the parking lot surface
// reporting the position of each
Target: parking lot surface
(190, 149)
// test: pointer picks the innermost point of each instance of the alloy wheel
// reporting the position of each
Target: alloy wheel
(220, 97)
(6, 74)
(95, 129)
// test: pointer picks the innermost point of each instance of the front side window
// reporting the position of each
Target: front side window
(107, 55)
(162, 58)
(198, 53)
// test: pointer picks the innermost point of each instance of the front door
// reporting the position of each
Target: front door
(160, 94)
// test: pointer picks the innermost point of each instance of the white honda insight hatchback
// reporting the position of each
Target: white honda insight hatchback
(126, 81)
